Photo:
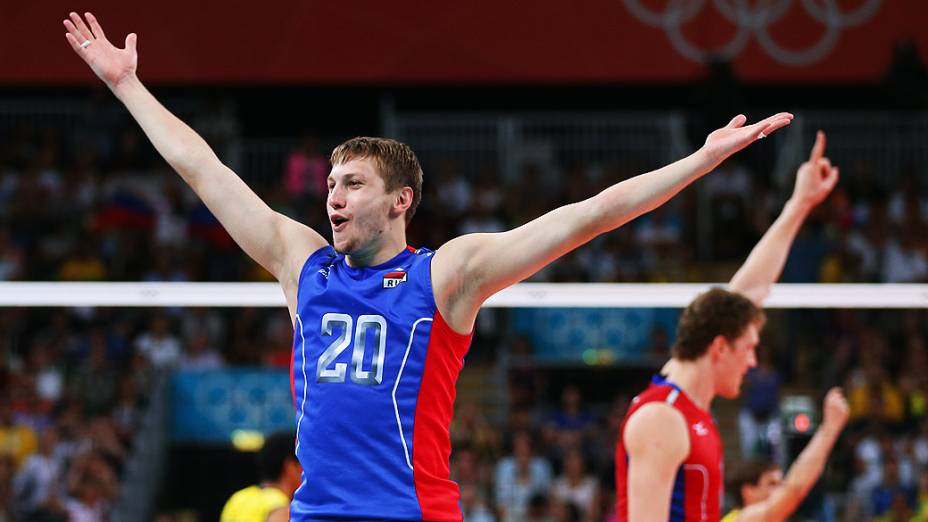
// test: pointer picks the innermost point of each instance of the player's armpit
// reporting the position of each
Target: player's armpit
(657, 442)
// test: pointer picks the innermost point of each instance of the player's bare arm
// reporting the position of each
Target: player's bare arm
(808, 467)
(469, 269)
(657, 442)
(814, 181)
(276, 242)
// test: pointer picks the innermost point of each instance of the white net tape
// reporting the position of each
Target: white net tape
(527, 295)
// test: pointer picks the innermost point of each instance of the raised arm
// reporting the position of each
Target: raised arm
(808, 467)
(471, 268)
(276, 242)
(657, 442)
(814, 181)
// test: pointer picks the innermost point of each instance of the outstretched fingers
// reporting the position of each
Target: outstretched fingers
(768, 126)
(74, 32)
(737, 121)
(95, 26)
(81, 26)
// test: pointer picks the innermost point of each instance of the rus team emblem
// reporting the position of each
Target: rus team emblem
(394, 278)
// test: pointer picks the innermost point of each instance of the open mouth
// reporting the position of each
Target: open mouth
(338, 223)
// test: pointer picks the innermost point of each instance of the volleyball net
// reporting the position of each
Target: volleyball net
(524, 295)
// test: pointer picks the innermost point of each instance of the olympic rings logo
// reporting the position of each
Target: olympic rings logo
(754, 18)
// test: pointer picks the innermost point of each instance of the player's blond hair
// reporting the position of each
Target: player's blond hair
(396, 163)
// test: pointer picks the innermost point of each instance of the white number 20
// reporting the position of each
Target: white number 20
(344, 322)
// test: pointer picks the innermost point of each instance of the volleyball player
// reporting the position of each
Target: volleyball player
(279, 473)
(669, 454)
(381, 329)
(762, 492)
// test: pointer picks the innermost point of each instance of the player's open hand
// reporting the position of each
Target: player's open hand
(815, 177)
(835, 408)
(735, 136)
(110, 63)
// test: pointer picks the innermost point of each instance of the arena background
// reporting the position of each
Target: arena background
(513, 109)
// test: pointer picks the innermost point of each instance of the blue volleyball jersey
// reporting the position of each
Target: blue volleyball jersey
(373, 380)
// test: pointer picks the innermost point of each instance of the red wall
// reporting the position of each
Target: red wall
(469, 41)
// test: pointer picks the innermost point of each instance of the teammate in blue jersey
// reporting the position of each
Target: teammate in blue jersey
(381, 329)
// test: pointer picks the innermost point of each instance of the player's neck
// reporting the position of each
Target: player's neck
(378, 253)
(278, 485)
(695, 379)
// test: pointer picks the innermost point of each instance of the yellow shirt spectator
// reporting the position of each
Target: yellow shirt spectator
(18, 442)
(253, 504)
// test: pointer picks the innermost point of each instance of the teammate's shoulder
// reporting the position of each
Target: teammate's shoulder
(656, 426)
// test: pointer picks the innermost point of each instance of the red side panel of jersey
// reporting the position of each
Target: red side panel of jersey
(438, 495)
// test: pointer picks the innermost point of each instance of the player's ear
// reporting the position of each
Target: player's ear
(403, 199)
(718, 346)
(746, 493)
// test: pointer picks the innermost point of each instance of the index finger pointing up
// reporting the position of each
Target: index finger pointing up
(818, 150)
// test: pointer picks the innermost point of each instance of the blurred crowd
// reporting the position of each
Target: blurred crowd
(74, 384)
(105, 207)
(71, 399)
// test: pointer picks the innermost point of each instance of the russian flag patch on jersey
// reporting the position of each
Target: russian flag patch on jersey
(394, 278)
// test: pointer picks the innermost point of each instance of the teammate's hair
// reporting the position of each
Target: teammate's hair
(396, 163)
(278, 447)
(714, 312)
(747, 473)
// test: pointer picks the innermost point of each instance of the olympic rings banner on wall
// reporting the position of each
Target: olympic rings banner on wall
(478, 41)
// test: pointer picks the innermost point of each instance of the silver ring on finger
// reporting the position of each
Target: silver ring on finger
(85, 44)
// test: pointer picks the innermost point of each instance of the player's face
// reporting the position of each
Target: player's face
(358, 206)
(768, 482)
(736, 359)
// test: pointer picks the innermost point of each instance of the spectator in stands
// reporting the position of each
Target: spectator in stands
(473, 506)
(759, 418)
(127, 411)
(201, 354)
(17, 441)
(84, 264)
(873, 396)
(94, 382)
(159, 346)
(88, 502)
(574, 486)
(891, 489)
(568, 427)
(520, 477)
(36, 487)
(904, 259)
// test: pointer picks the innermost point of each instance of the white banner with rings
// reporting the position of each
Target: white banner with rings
(753, 19)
